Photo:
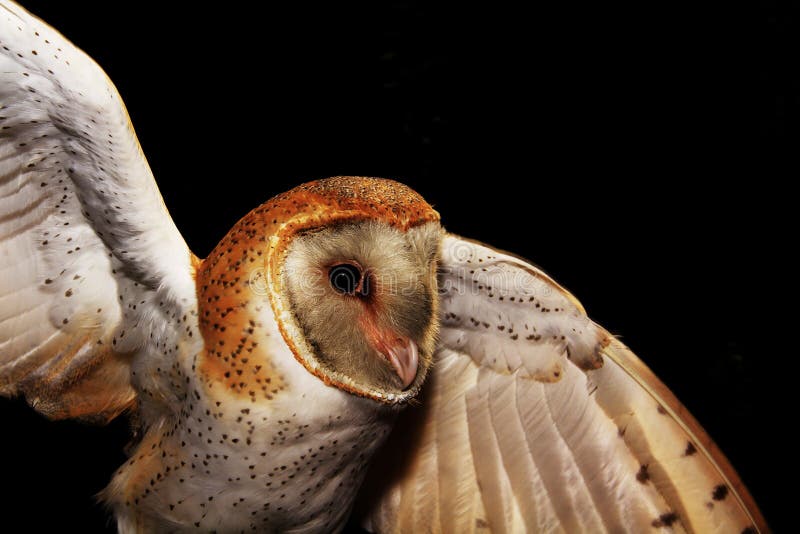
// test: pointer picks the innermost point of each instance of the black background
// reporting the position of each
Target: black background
(647, 136)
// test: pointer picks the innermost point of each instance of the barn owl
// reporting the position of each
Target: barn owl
(338, 353)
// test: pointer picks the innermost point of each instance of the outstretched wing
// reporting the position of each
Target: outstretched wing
(536, 419)
(90, 261)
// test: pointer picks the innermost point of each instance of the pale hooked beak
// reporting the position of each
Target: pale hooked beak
(403, 354)
(400, 351)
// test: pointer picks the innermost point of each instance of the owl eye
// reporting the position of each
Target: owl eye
(345, 278)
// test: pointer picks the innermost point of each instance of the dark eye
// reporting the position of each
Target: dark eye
(345, 278)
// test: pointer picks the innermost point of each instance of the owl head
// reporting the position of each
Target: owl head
(351, 275)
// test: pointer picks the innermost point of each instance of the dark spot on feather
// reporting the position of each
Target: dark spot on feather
(720, 492)
(661, 410)
(643, 476)
(665, 520)
(690, 449)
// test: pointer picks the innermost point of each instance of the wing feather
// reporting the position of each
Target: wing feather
(491, 479)
(87, 248)
(451, 428)
(510, 433)
(562, 428)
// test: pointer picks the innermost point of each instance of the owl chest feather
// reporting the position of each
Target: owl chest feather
(296, 470)
(291, 457)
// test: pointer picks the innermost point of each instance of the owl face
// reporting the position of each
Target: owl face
(363, 296)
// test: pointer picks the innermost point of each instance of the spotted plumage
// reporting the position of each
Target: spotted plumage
(337, 350)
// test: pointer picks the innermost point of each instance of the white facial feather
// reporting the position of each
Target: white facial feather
(400, 266)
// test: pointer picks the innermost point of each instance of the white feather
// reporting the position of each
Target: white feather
(87, 248)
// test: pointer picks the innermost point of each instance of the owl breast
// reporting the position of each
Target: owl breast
(294, 461)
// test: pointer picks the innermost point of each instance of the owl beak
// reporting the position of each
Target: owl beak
(403, 354)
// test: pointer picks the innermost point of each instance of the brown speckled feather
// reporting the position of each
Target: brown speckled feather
(535, 419)
(79, 267)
